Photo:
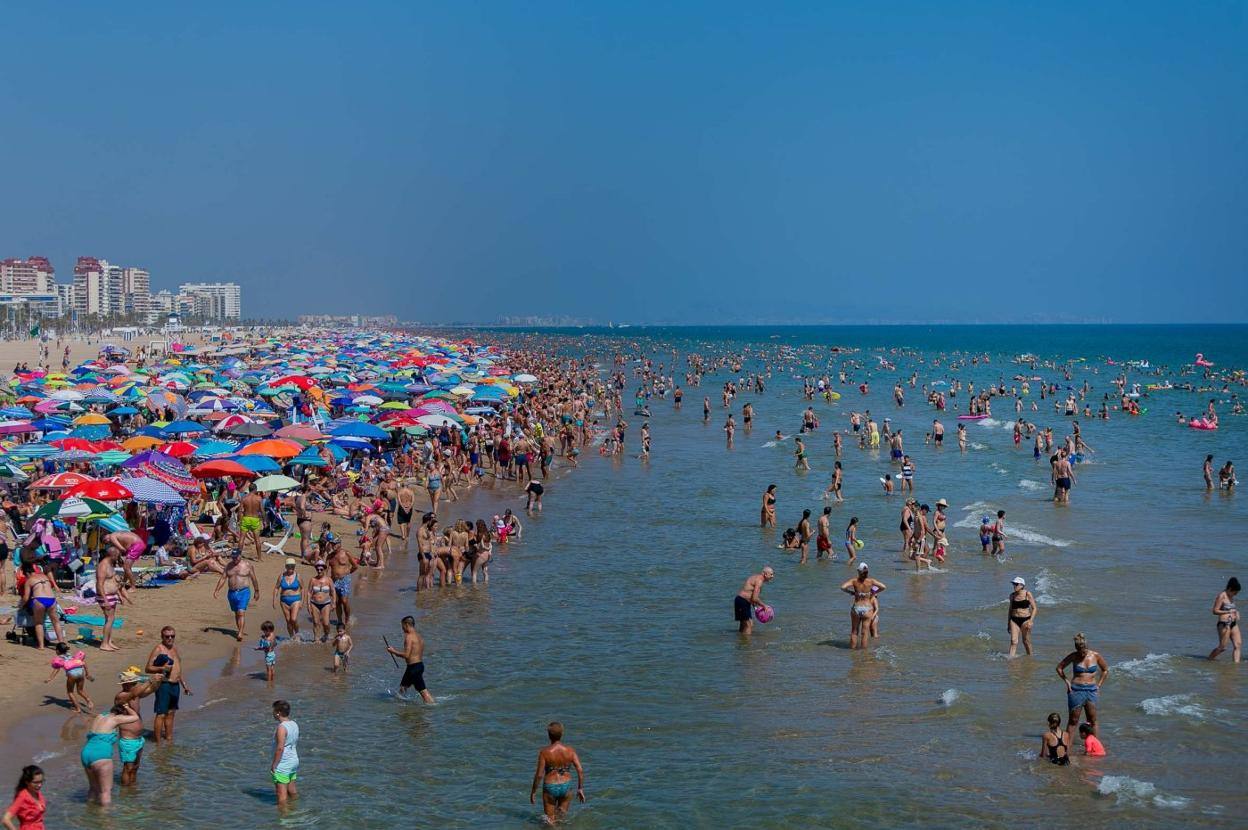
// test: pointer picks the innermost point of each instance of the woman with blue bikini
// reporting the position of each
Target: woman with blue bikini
(554, 773)
(289, 590)
(1083, 687)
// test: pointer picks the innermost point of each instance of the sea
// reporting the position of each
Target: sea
(613, 615)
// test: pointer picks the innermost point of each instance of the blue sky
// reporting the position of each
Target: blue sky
(690, 162)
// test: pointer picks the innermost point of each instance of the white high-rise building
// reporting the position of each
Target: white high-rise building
(136, 290)
(90, 286)
(214, 300)
(34, 275)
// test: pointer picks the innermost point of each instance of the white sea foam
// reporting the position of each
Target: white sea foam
(1045, 588)
(1023, 534)
(998, 469)
(47, 756)
(1032, 486)
(212, 702)
(1151, 665)
(979, 507)
(988, 422)
(975, 446)
(1182, 705)
(1128, 790)
(949, 697)
(887, 655)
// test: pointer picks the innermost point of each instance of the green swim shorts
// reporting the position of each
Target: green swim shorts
(284, 777)
(249, 524)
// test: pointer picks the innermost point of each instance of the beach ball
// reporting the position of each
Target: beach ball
(860, 544)
(764, 614)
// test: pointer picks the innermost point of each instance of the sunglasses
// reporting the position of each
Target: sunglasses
(167, 636)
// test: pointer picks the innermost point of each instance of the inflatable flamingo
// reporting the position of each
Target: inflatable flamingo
(1200, 360)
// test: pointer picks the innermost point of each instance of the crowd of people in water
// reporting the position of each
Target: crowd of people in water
(572, 403)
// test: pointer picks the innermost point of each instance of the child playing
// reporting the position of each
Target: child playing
(268, 644)
(887, 481)
(342, 649)
(76, 673)
(1091, 744)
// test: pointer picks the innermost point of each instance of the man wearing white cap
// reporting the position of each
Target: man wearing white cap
(1021, 615)
(750, 597)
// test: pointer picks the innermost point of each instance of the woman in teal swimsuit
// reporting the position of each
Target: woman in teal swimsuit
(290, 592)
(554, 772)
(97, 752)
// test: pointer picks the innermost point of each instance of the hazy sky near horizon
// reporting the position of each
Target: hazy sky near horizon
(695, 162)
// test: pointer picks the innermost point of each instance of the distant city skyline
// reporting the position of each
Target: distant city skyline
(699, 163)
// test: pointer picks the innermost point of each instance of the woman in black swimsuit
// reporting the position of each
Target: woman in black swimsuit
(1021, 616)
(768, 518)
(1228, 621)
(1053, 743)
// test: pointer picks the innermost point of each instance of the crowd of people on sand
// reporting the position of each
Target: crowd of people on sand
(194, 461)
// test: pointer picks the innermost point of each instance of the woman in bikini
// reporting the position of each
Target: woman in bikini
(290, 593)
(39, 598)
(555, 764)
(1084, 686)
(864, 610)
(1228, 621)
(768, 517)
(320, 599)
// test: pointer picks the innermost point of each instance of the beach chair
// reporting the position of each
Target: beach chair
(280, 544)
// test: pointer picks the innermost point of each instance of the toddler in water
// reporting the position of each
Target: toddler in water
(268, 644)
(1091, 744)
(76, 674)
(342, 648)
(985, 532)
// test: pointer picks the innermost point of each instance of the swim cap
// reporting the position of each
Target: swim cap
(862, 566)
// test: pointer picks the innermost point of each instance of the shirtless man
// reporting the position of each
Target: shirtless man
(241, 578)
(165, 663)
(128, 547)
(938, 432)
(406, 506)
(251, 513)
(108, 593)
(554, 765)
(823, 536)
(1063, 477)
(130, 735)
(413, 654)
(341, 566)
(750, 597)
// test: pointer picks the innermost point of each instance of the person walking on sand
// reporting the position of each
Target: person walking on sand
(750, 597)
(240, 575)
(285, 766)
(555, 763)
(414, 654)
(251, 521)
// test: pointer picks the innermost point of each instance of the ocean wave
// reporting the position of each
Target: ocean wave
(1150, 665)
(975, 446)
(999, 469)
(1032, 486)
(978, 507)
(1129, 790)
(988, 422)
(1045, 588)
(1182, 705)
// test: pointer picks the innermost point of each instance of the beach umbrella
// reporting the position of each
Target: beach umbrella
(275, 483)
(141, 442)
(207, 449)
(221, 468)
(259, 464)
(74, 507)
(184, 428)
(272, 447)
(359, 429)
(61, 481)
(149, 457)
(17, 428)
(124, 410)
(91, 433)
(437, 420)
(109, 457)
(249, 430)
(103, 490)
(91, 418)
(66, 395)
(309, 459)
(151, 491)
(300, 432)
(179, 449)
(12, 472)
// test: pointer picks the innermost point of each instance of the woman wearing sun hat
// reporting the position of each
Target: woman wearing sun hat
(1021, 616)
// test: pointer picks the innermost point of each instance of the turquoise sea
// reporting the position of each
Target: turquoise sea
(614, 616)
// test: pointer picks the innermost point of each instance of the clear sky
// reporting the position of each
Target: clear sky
(678, 162)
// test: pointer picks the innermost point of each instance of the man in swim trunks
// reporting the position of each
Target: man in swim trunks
(130, 735)
(554, 765)
(241, 578)
(1063, 476)
(341, 566)
(108, 594)
(129, 547)
(823, 536)
(251, 519)
(414, 654)
(164, 664)
(750, 597)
